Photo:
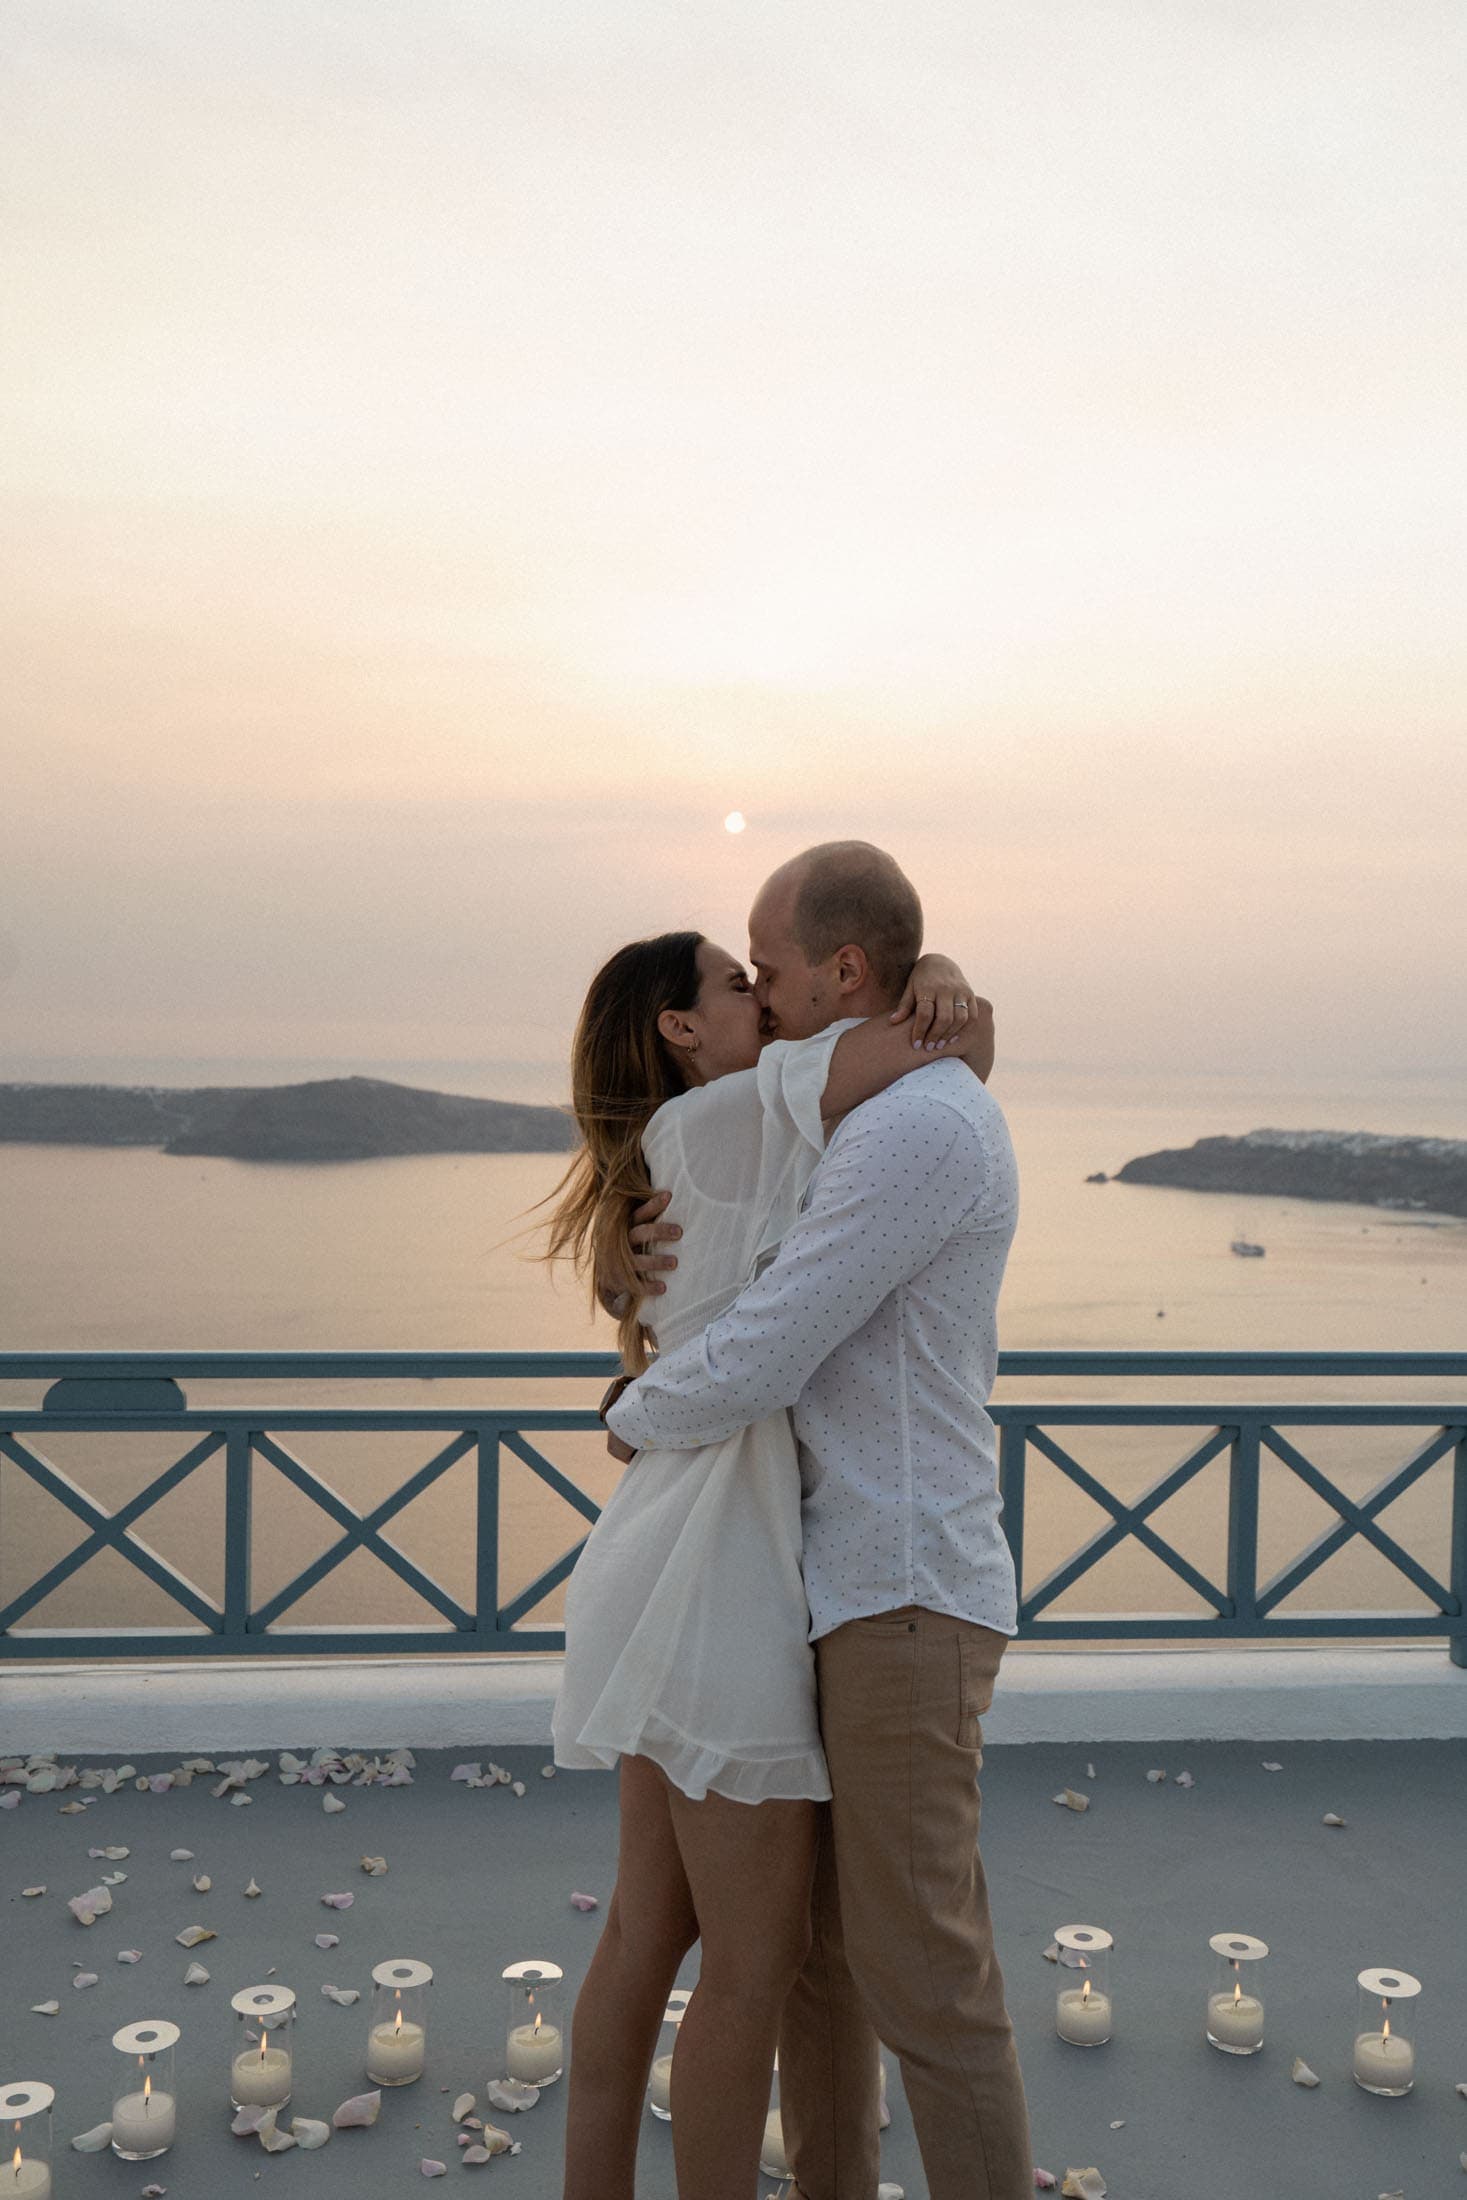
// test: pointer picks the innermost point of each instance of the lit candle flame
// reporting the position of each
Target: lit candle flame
(1085, 1994)
(397, 2025)
(1386, 2028)
(1237, 1991)
(147, 2092)
(17, 2159)
(537, 2022)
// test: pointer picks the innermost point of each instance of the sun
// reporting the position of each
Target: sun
(735, 822)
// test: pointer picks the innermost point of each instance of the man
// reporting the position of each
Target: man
(876, 1324)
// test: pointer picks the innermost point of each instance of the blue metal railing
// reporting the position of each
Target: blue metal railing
(108, 1392)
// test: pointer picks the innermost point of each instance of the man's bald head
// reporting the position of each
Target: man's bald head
(833, 932)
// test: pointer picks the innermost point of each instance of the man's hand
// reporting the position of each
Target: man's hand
(940, 1003)
(647, 1233)
(619, 1451)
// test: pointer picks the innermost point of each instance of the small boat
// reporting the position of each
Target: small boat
(1245, 1251)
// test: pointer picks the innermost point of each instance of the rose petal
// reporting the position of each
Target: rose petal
(362, 2108)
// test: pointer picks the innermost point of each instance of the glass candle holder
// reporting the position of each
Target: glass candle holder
(145, 2098)
(1235, 1998)
(1082, 2010)
(1385, 2033)
(260, 2073)
(533, 2049)
(659, 2086)
(397, 2041)
(25, 2172)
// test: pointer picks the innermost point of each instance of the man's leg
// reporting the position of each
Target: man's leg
(828, 2083)
(900, 1700)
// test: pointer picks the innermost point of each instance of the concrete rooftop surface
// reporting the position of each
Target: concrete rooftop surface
(478, 1878)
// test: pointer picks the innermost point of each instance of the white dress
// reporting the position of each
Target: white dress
(686, 1621)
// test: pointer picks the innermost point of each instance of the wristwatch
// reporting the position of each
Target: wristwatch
(614, 1391)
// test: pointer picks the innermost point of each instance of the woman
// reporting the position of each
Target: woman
(687, 1658)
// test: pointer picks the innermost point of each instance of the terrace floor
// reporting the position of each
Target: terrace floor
(478, 1878)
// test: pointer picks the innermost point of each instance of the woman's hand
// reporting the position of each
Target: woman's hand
(939, 1001)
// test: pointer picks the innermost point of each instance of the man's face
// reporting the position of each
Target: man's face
(795, 999)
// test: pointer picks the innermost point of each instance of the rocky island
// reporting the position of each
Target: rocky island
(1365, 1168)
(330, 1119)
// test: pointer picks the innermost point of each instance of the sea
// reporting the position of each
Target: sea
(129, 1249)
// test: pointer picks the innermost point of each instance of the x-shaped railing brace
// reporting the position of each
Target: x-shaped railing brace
(1357, 1520)
(110, 1531)
(1127, 1520)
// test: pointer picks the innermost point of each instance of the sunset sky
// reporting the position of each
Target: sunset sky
(458, 450)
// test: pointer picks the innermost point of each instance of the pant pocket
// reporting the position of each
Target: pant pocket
(977, 1672)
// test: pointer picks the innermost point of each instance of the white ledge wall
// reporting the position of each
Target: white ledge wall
(472, 1702)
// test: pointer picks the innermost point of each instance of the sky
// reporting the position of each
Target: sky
(459, 451)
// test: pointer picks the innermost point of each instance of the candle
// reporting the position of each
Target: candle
(395, 2052)
(534, 2053)
(1235, 2019)
(772, 2158)
(26, 2106)
(144, 2123)
(1082, 2017)
(1383, 2062)
(261, 2079)
(660, 2091)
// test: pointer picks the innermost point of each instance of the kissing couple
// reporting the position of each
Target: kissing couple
(788, 1620)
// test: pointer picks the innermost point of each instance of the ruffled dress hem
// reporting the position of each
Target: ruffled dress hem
(697, 1767)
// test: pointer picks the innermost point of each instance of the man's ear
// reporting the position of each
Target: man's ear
(851, 969)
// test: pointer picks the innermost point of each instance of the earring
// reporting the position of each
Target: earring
(693, 1045)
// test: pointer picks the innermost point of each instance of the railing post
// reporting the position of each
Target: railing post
(1457, 1641)
(1243, 1528)
(1013, 1439)
(237, 1462)
(486, 1567)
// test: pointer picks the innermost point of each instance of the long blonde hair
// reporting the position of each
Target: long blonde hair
(621, 1072)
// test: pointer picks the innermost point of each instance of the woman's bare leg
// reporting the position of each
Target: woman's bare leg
(650, 1926)
(750, 1867)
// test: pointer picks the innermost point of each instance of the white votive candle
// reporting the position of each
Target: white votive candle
(1235, 2019)
(1384, 2061)
(395, 2053)
(533, 2053)
(659, 2092)
(143, 2123)
(1082, 2016)
(261, 2081)
(26, 2180)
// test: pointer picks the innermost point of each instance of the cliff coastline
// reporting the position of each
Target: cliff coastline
(329, 1119)
(1365, 1168)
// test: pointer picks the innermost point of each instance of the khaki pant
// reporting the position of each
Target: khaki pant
(903, 1946)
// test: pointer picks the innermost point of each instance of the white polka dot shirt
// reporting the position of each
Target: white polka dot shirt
(876, 1322)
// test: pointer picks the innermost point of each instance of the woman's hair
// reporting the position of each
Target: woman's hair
(621, 1072)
